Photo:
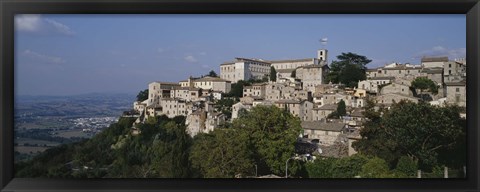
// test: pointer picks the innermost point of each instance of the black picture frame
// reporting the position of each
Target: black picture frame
(8, 8)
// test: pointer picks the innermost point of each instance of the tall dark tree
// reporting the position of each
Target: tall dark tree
(348, 70)
(273, 74)
(212, 73)
(142, 95)
(341, 108)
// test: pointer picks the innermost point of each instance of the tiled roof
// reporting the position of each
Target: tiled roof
(319, 125)
(327, 107)
(434, 59)
(290, 60)
(208, 78)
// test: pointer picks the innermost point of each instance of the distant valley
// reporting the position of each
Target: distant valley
(42, 122)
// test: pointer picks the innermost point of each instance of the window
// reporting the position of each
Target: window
(458, 90)
(449, 65)
(457, 98)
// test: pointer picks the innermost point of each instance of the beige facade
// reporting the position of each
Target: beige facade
(397, 89)
(301, 109)
(158, 90)
(173, 107)
(433, 62)
(284, 74)
(311, 76)
(140, 106)
(196, 122)
(456, 93)
(395, 70)
(326, 133)
(371, 84)
(434, 74)
(202, 121)
(244, 69)
(256, 90)
(239, 106)
(293, 63)
(322, 112)
(390, 98)
(334, 98)
(213, 83)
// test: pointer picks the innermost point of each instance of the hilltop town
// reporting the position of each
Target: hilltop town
(301, 87)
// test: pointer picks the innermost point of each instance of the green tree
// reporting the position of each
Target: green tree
(225, 106)
(420, 131)
(349, 167)
(142, 95)
(406, 167)
(341, 108)
(212, 73)
(273, 133)
(224, 153)
(374, 140)
(375, 168)
(273, 74)
(423, 83)
(237, 89)
(348, 70)
(321, 168)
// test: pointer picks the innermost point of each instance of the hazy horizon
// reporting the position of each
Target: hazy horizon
(78, 54)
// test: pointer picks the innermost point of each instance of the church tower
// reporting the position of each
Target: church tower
(322, 55)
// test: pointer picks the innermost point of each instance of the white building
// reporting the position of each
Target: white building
(244, 69)
(213, 83)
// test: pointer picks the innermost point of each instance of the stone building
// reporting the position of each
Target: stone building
(397, 89)
(312, 75)
(256, 89)
(394, 70)
(456, 93)
(433, 62)
(213, 84)
(301, 109)
(238, 107)
(454, 71)
(244, 69)
(326, 132)
(372, 83)
(173, 107)
(158, 90)
(390, 98)
(322, 112)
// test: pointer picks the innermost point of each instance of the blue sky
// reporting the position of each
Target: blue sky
(76, 54)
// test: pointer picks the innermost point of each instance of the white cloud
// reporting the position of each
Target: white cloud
(43, 58)
(59, 27)
(160, 50)
(35, 23)
(205, 66)
(203, 53)
(438, 51)
(30, 23)
(190, 59)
